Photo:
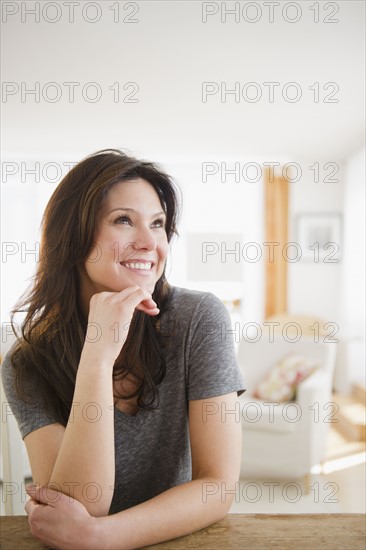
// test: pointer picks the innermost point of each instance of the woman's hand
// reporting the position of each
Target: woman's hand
(110, 315)
(59, 521)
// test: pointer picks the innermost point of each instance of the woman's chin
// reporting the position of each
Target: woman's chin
(149, 287)
(146, 285)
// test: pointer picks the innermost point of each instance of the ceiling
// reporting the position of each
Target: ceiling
(168, 53)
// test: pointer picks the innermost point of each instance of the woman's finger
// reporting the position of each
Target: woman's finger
(141, 297)
(43, 494)
(148, 311)
(30, 506)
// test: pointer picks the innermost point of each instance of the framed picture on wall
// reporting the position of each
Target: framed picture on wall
(319, 237)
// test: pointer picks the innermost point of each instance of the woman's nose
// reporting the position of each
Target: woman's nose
(145, 239)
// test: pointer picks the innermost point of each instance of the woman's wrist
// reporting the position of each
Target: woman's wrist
(97, 533)
(93, 357)
(94, 532)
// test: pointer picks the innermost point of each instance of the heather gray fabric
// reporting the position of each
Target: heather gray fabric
(152, 448)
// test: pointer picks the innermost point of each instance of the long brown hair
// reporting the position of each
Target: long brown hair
(52, 335)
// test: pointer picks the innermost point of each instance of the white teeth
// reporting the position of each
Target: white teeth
(138, 265)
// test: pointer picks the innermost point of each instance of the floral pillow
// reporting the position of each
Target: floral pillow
(281, 381)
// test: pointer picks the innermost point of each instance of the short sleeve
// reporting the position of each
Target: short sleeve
(29, 416)
(212, 366)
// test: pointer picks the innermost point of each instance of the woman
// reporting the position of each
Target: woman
(124, 388)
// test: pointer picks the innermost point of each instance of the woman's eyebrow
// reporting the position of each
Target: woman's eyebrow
(134, 211)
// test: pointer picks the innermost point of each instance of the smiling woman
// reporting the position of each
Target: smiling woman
(117, 380)
(131, 240)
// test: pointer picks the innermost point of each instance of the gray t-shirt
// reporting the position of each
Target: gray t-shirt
(152, 449)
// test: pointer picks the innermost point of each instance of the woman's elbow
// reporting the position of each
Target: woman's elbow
(97, 508)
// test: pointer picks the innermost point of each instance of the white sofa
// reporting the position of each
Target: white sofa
(285, 440)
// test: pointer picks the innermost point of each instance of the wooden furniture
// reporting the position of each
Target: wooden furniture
(238, 531)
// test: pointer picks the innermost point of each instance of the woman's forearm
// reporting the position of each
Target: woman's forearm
(178, 511)
(86, 457)
(85, 466)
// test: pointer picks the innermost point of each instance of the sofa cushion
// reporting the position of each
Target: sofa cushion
(268, 416)
(280, 382)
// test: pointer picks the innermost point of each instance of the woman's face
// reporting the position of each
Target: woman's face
(130, 242)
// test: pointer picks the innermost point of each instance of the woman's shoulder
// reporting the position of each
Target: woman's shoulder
(8, 379)
(186, 302)
(7, 370)
(189, 297)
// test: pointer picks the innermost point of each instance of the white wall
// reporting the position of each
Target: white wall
(222, 208)
(352, 295)
(23, 205)
(313, 287)
(353, 267)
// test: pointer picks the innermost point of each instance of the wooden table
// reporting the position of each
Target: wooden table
(238, 531)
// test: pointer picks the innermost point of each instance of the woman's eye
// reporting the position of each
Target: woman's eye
(123, 220)
(159, 223)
